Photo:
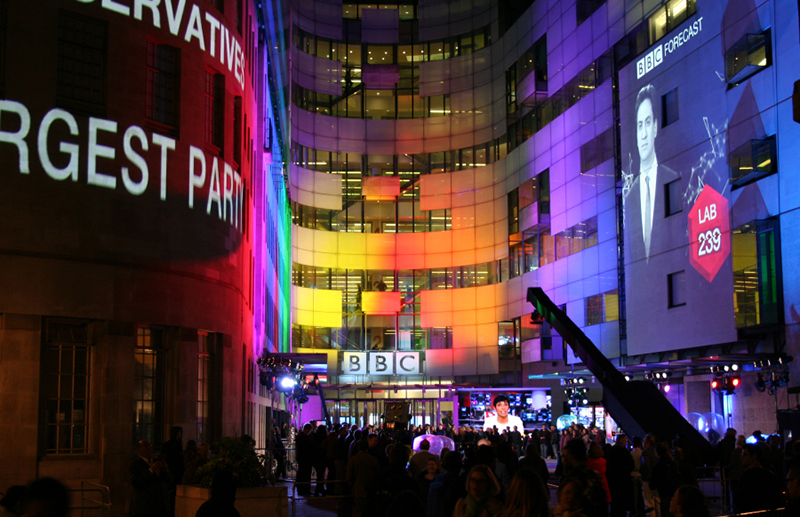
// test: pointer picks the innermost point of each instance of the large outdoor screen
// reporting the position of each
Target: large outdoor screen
(674, 125)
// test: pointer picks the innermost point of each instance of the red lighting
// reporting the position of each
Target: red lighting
(715, 384)
(735, 381)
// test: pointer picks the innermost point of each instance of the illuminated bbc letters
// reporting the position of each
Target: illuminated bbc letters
(381, 363)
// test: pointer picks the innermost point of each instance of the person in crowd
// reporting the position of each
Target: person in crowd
(544, 441)
(482, 490)
(447, 488)
(555, 441)
(793, 492)
(759, 488)
(533, 461)
(190, 462)
(173, 454)
(46, 497)
(619, 468)
(13, 502)
(597, 463)
(569, 500)
(648, 462)
(688, 501)
(279, 453)
(419, 460)
(665, 478)
(151, 482)
(725, 447)
(361, 472)
(636, 476)
(405, 504)
(393, 479)
(588, 486)
(305, 460)
(425, 479)
(319, 458)
(223, 497)
(527, 496)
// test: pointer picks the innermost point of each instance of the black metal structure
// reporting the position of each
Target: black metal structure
(637, 406)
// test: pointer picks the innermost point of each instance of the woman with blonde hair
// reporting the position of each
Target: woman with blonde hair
(482, 490)
(527, 496)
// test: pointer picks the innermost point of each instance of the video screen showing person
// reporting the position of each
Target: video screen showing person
(502, 419)
(674, 119)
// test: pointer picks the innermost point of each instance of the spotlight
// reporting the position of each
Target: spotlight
(627, 377)
(287, 383)
(735, 381)
(581, 380)
(716, 383)
(585, 401)
(666, 388)
(735, 367)
(726, 368)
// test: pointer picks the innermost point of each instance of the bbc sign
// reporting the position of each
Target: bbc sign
(381, 363)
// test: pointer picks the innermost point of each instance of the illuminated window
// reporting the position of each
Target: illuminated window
(163, 83)
(601, 308)
(668, 17)
(148, 385)
(753, 161)
(65, 379)
(214, 104)
(674, 199)
(756, 273)
(82, 47)
(676, 284)
(669, 107)
(597, 150)
(751, 54)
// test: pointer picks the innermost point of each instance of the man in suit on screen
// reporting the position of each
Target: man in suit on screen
(645, 208)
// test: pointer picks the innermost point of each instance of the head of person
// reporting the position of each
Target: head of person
(307, 429)
(46, 497)
(574, 453)
(431, 467)
(751, 455)
(646, 124)
(532, 451)
(569, 495)
(144, 449)
(481, 482)
(363, 445)
(622, 440)
(451, 462)
(176, 433)
(223, 487)
(191, 446)
(526, 495)
(202, 450)
(637, 442)
(14, 500)
(399, 455)
(500, 404)
(424, 445)
(740, 441)
(373, 440)
(595, 451)
(688, 501)
(793, 483)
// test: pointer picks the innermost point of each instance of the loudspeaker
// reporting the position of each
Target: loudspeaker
(397, 412)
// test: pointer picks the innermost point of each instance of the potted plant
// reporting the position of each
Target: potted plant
(238, 456)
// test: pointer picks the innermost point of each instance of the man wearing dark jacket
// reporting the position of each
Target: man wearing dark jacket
(759, 488)
(151, 484)
(619, 466)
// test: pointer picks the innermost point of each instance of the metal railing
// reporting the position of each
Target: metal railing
(95, 499)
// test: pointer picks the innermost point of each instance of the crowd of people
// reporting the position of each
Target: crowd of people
(375, 472)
